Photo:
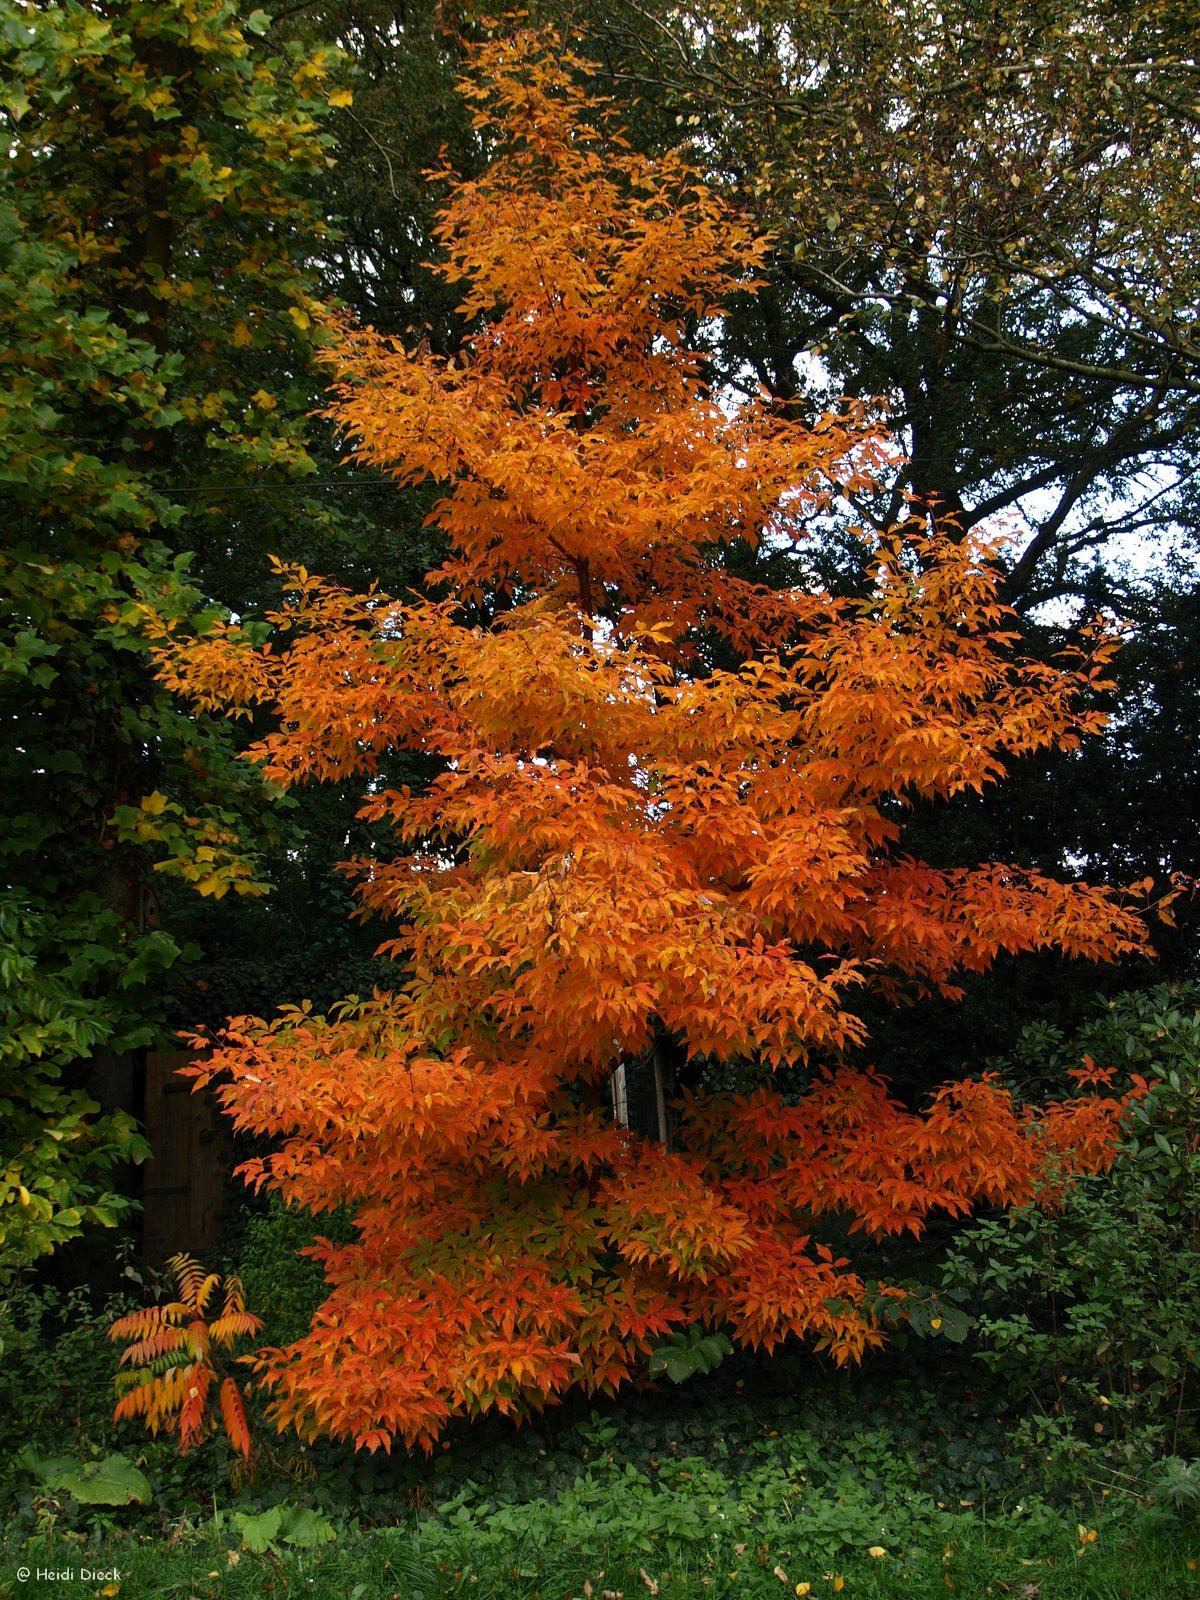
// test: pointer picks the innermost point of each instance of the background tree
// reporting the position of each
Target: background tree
(404, 59)
(621, 844)
(983, 213)
(399, 62)
(157, 330)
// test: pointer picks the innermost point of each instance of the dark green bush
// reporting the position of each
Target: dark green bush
(1093, 1307)
(282, 1286)
(56, 1370)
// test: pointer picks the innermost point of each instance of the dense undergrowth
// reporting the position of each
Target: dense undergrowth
(901, 1479)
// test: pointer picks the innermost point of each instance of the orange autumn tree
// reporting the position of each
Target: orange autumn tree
(624, 845)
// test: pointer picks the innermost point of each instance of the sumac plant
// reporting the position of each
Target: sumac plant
(665, 825)
(172, 1362)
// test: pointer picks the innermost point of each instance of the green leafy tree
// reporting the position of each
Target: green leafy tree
(155, 316)
(1092, 1305)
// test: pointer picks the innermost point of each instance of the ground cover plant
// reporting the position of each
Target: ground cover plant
(755, 1482)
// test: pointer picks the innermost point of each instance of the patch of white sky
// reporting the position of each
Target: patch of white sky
(1138, 556)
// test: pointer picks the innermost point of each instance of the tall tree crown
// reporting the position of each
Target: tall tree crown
(584, 268)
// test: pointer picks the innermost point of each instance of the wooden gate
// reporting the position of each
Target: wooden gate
(191, 1158)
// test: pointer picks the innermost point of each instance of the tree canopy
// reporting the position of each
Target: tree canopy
(985, 214)
(157, 323)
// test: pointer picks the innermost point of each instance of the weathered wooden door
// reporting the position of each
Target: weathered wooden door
(192, 1154)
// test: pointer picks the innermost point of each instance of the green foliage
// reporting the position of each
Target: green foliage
(62, 973)
(155, 317)
(922, 1312)
(1154, 1031)
(283, 1525)
(684, 1354)
(1136, 1560)
(284, 1286)
(688, 1505)
(56, 1378)
(1175, 1486)
(115, 1481)
(1099, 1297)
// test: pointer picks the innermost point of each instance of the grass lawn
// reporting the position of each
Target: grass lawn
(1047, 1563)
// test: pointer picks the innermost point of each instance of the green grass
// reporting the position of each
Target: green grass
(1132, 1558)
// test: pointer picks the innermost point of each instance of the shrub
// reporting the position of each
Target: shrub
(1093, 1305)
(284, 1286)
